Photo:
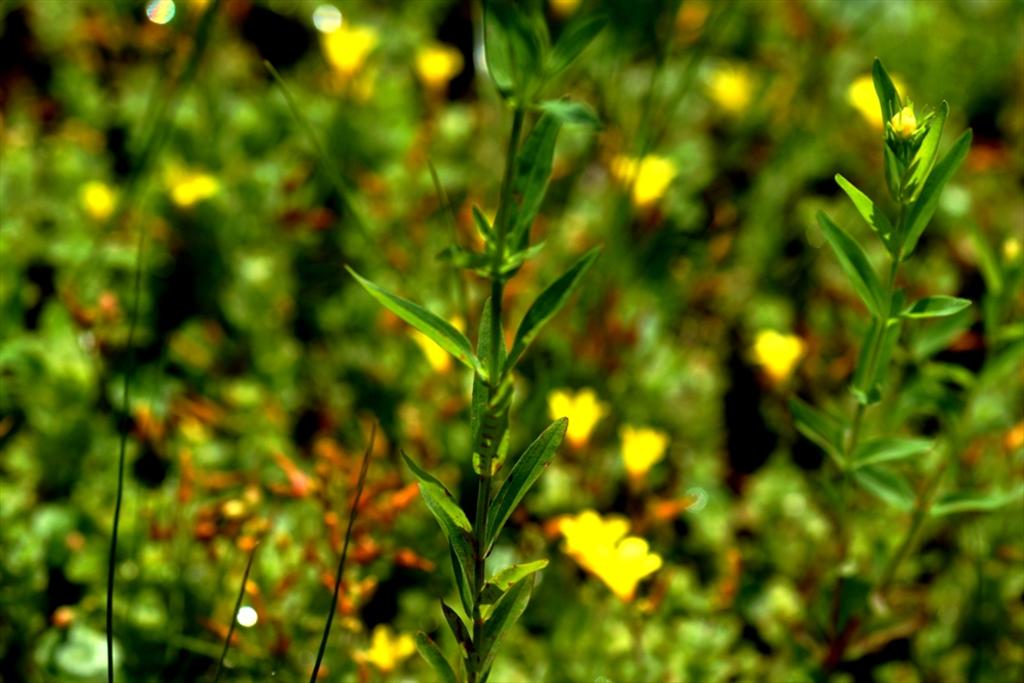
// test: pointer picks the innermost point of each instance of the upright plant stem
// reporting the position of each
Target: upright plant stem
(234, 613)
(158, 133)
(483, 491)
(344, 554)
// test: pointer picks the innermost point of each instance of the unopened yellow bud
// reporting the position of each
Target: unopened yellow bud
(904, 123)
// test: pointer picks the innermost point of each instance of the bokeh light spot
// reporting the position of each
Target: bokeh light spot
(247, 617)
(160, 11)
(327, 18)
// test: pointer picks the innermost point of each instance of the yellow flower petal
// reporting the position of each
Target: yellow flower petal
(903, 122)
(190, 188)
(731, 88)
(642, 447)
(777, 353)
(602, 548)
(347, 48)
(386, 652)
(861, 94)
(583, 409)
(98, 200)
(649, 177)
(437, 64)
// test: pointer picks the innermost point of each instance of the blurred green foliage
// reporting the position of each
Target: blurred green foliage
(259, 364)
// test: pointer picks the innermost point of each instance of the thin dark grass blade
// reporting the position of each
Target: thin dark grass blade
(234, 614)
(344, 553)
(152, 145)
(333, 174)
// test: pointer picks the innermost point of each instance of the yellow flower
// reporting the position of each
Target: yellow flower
(1011, 249)
(438, 358)
(777, 353)
(188, 188)
(583, 409)
(602, 547)
(649, 178)
(563, 8)
(903, 122)
(347, 48)
(642, 447)
(437, 64)
(861, 95)
(98, 200)
(386, 651)
(731, 88)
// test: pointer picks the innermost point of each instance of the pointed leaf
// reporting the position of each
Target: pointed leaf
(513, 46)
(464, 258)
(522, 476)
(429, 650)
(973, 501)
(574, 39)
(819, 427)
(923, 208)
(889, 449)
(449, 516)
(867, 209)
(570, 112)
(924, 158)
(461, 582)
(936, 307)
(886, 485)
(888, 97)
(547, 305)
(499, 584)
(893, 172)
(530, 181)
(483, 226)
(856, 266)
(433, 326)
(505, 613)
(457, 626)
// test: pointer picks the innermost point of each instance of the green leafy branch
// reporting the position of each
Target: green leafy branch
(520, 61)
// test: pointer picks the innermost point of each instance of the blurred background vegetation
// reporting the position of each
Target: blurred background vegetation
(258, 366)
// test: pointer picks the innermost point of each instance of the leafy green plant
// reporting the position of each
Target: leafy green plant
(915, 176)
(519, 62)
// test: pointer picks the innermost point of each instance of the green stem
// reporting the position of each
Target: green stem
(496, 377)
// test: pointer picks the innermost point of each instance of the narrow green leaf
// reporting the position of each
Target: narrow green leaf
(923, 208)
(936, 307)
(819, 427)
(513, 46)
(450, 517)
(930, 339)
(483, 226)
(481, 398)
(574, 39)
(515, 260)
(499, 584)
(547, 305)
(888, 486)
(954, 503)
(435, 327)
(521, 477)
(505, 613)
(893, 172)
(457, 626)
(461, 582)
(856, 266)
(530, 181)
(862, 386)
(464, 258)
(429, 650)
(867, 209)
(924, 158)
(888, 97)
(570, 112)
(888, 449)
